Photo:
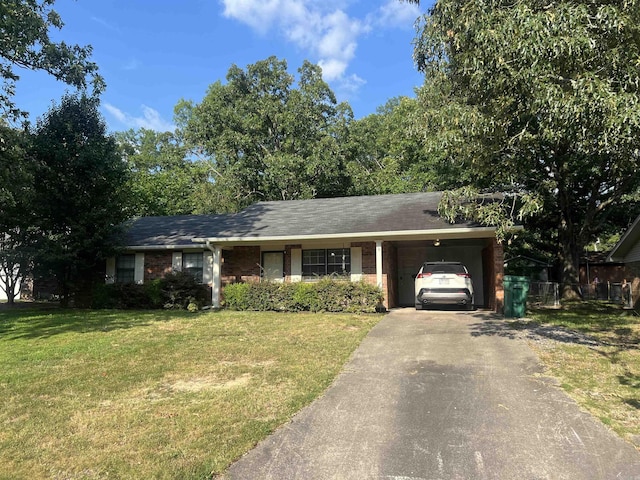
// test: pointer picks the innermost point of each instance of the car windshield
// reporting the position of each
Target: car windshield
(443, 268)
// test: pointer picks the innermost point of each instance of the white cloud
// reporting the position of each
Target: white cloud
(348, 86)
(132, 64)
(322, 28)
(150, 119)
(397, 14)
(105, 24)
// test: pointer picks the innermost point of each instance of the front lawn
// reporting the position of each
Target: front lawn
(109, 394)
(599, 366)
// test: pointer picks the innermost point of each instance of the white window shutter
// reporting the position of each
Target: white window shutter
(138, 275)
(207, 267)
(176, 262)
(356, 264)
(296, 264)
(111, 270)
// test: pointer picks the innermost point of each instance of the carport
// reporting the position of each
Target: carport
(410, 255)
(483, 257)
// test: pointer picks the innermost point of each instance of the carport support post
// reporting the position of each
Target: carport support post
(215, 286)
(379, 263)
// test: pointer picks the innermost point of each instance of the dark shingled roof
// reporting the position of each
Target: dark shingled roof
(323, 216)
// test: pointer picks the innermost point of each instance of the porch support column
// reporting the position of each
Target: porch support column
(379, 263)
(215, 275)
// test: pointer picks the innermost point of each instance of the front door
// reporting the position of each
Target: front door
(273, 266)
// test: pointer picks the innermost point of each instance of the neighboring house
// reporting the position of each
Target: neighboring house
(380, 239)
(599, 267)
(535, 269)
(627, 251)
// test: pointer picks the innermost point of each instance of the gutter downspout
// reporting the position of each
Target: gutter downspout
(215, 275)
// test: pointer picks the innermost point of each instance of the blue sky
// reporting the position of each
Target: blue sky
(152, 53)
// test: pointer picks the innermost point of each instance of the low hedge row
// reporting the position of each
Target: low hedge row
(326, 295)
(175, 291)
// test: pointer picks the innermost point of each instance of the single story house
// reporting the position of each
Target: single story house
(380, 239)
(627, 251)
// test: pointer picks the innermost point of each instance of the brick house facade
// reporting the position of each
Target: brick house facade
(381, 240)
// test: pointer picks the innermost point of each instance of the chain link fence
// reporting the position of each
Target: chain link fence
(544, 294)
(547, 294)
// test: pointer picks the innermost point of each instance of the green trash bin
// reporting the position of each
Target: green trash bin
(516, 291)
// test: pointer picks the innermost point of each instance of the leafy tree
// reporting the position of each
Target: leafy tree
(16, 190)
(25, 26)
(390, 151)
(266, 139)
(163, 179)
(79, 195)
(546, 97)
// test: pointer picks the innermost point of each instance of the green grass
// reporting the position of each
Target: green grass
(91, 395)
(602, 375)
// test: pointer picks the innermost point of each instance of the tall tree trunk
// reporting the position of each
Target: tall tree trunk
(569, 263)
(569, 252)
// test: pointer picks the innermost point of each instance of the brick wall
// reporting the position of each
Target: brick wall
(498, 276)
(389, 274)
(241, 265)
(613, 273)
(157, 265)
(493, 272)
(368, 257)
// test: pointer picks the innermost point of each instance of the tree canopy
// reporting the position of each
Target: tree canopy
(268, 137)
(79, 194)
(546, 100)
(25, 43)
(163, 179)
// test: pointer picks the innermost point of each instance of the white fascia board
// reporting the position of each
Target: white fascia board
(188, 246)
(442, 233)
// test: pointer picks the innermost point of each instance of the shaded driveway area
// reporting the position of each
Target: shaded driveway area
(441, 395)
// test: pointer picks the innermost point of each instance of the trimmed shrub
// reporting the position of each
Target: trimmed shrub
(327, 295)
(236, 296)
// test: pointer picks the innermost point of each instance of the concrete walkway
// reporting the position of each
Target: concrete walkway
(438, 395)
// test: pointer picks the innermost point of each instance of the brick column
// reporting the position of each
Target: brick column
(498, 262)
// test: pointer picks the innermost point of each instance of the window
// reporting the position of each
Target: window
(339, 261)
(192, 264)
(125, 268)
(326, 262)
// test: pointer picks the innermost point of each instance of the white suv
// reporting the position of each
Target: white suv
(443, 283)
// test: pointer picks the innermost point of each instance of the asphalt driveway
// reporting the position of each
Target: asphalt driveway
(441, 395)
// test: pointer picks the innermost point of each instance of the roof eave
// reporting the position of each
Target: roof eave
(623, 246)
(448, 233)
(165, 247)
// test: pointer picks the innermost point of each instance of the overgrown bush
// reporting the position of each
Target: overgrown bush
(126, 296)
(180, 289)
(327, 295)
(175, 291)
